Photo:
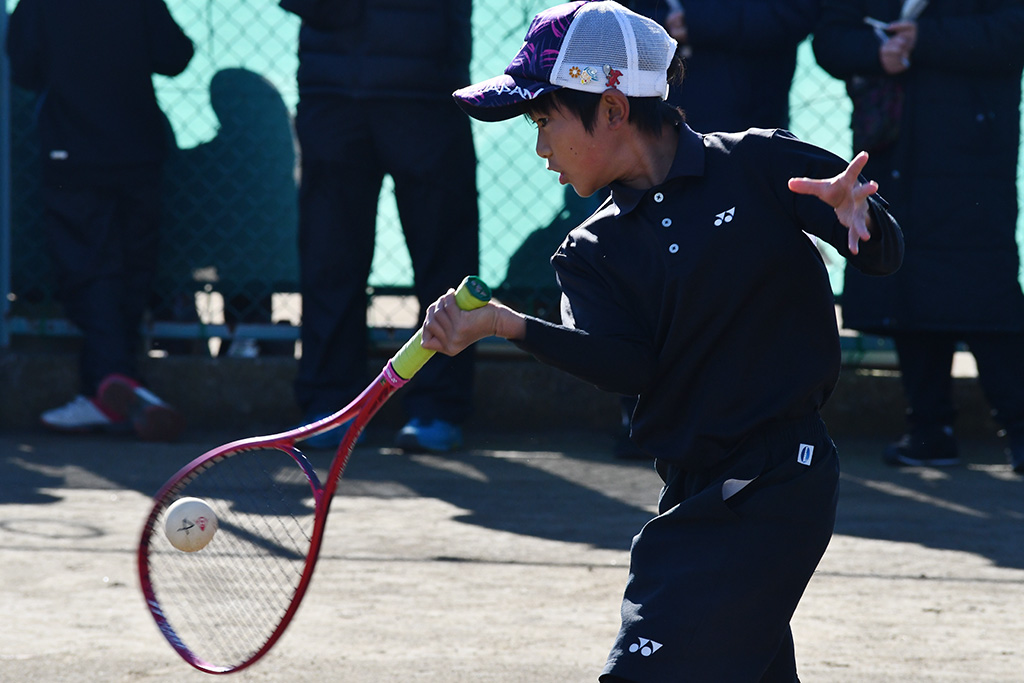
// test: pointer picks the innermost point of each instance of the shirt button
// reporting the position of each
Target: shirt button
(666, 222)
(659, 197)
(673, 248)
(895, 174)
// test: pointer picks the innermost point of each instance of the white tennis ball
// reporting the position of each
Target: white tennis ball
(190, 524)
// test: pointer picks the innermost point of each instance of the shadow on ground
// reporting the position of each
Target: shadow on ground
(565, 487)
(976, 508)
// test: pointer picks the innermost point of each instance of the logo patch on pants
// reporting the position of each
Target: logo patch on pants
(804, 454)
(645, 646)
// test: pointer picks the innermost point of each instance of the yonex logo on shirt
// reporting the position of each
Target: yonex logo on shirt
(725, 216)
(804, 454)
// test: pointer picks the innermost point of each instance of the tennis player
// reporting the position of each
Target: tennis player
(696, 285)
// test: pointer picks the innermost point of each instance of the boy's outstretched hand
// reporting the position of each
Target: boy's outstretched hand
(847, 195)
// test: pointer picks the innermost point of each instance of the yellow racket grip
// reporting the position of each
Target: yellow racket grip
(472, 293)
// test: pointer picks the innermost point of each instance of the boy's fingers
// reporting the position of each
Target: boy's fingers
(859, 233)
(858, 163)
(853, 243)
(867, 189)
(806, 185)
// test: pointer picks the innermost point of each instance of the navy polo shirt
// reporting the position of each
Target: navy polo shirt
(706, 297)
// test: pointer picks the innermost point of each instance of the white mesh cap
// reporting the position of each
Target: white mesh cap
(588, 46)
(609, 46)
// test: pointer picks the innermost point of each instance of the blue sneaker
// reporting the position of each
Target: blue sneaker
(436, 436)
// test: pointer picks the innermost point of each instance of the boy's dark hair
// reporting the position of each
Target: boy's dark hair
(646, 113)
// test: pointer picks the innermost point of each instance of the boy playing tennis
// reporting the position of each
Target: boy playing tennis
(695, 287)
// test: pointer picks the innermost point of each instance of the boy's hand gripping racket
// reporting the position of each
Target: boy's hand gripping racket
(222, 607)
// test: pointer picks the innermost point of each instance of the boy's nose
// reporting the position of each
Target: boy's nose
(543, 151)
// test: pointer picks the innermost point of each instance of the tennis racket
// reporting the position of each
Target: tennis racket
(223, 607)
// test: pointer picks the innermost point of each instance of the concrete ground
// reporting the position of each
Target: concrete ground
(465, 568)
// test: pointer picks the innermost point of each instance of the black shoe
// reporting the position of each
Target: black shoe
(931, 447)
(1015, 450)
(1017, 461)
(625, 449)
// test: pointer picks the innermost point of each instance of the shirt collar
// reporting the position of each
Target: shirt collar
(689, 161)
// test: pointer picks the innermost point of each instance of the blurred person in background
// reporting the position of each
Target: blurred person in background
(375, 80)
(936, 90)
(104, 141)
(739, 56)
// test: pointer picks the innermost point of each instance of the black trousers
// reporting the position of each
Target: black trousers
(347, 148)
(716, 577)
(926, 360)
(102, 235)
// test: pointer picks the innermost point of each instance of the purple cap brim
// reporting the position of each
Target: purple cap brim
(528, 76)
(501, 97)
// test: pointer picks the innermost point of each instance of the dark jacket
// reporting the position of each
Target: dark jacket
(92, 65)
(951, 175)
(743, 57)
(705, 297)
(390, 49)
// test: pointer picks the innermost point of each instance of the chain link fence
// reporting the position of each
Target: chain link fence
(229, 271)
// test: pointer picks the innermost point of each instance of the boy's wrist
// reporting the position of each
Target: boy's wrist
(508, 324)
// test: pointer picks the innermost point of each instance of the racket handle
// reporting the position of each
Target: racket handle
(472, 293)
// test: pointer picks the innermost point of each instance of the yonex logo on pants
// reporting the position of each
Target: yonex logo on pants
(804, 454)
(645, 647)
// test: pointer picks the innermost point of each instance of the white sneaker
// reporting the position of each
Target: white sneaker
(79, 415)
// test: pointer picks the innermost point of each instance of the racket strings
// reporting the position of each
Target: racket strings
(226, 601)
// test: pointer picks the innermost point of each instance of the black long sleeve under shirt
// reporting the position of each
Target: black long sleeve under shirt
(705, 297)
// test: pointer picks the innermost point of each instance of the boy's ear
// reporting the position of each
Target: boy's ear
(615, 108)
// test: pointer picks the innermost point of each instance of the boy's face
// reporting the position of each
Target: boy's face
(580, 158)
